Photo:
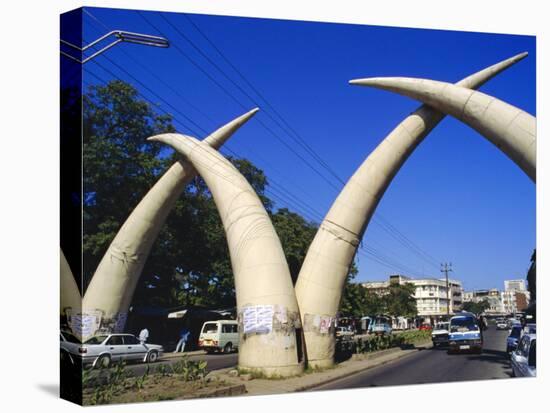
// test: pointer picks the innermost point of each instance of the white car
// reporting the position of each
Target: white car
(524, 358)
(440, 334)
(502, 325)
(102, 350)
(344, 331)
(69, 346)
(69, 342)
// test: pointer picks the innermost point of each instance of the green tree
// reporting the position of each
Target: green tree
(119, 165)
(296, 235)
(354, 298)
(476, 308)
(400, 301)
(189, 263)
(374, 304)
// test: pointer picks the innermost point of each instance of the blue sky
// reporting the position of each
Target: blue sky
(457, 198)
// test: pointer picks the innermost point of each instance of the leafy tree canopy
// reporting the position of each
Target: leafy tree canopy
(189, 263)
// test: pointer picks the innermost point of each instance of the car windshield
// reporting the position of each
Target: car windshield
(70, 338)
(463, 324)
(210, 328)
(95, 340)
(442, 326)
(515, 332)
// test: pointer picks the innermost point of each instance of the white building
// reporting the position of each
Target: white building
(492, 296)
(431, 295)
(515, 285)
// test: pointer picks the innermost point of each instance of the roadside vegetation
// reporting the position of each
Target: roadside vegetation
(402, 339)
(180, 380)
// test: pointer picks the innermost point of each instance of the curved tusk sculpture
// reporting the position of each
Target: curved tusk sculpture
(510, 129)
(269, 320)
(322, 276)
(69, 298)
(112, 287)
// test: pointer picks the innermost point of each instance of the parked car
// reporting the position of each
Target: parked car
(344, 331)
(69, 342)
(465, 334)
(440, 334)
(513, 338)
(220, 335)
(102, 350)
(425, 327)
(524, 358)
(502, 324)
(69, 345)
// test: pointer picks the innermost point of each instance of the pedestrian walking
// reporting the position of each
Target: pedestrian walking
(184, 335)
(143, 336)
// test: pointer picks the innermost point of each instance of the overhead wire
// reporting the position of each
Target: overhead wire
(379, 219)
(287, 193)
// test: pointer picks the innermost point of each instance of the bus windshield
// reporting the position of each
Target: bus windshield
(463, 324)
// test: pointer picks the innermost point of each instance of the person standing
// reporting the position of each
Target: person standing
(143, 336)
(184, 335)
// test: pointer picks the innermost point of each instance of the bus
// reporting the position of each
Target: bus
(465, 334)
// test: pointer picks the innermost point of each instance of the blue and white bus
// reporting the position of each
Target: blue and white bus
(465, 334)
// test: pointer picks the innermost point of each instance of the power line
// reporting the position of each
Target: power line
(300, 141)
(267, 128)
(391, 230)
(380, 220)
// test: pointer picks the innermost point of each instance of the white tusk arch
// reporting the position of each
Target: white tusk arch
(262, 279)
(322, 276)
(114, 282)
(510, 129)
(70, 297)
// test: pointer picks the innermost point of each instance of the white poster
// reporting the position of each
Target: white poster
(84, 325)
(258, 319)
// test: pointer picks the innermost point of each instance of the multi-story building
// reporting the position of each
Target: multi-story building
(431, 295)
(513, 299)
(515, 285)
(492, 296)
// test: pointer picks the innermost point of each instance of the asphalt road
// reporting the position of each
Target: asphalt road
(434, 365)
(215, 362)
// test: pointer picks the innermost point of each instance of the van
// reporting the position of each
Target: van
(381, 326)
(465, 334)
(220, 335)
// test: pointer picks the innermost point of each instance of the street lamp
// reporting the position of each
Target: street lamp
(119, 36)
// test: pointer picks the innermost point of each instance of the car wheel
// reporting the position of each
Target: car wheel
(103, 362)
(152, 357)
(228, 348)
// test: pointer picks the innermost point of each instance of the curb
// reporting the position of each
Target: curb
(402, 353)
(351, 373)
(234, 390)
(170, 355)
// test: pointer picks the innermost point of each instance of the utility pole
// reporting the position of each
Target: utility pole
(446, 268)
